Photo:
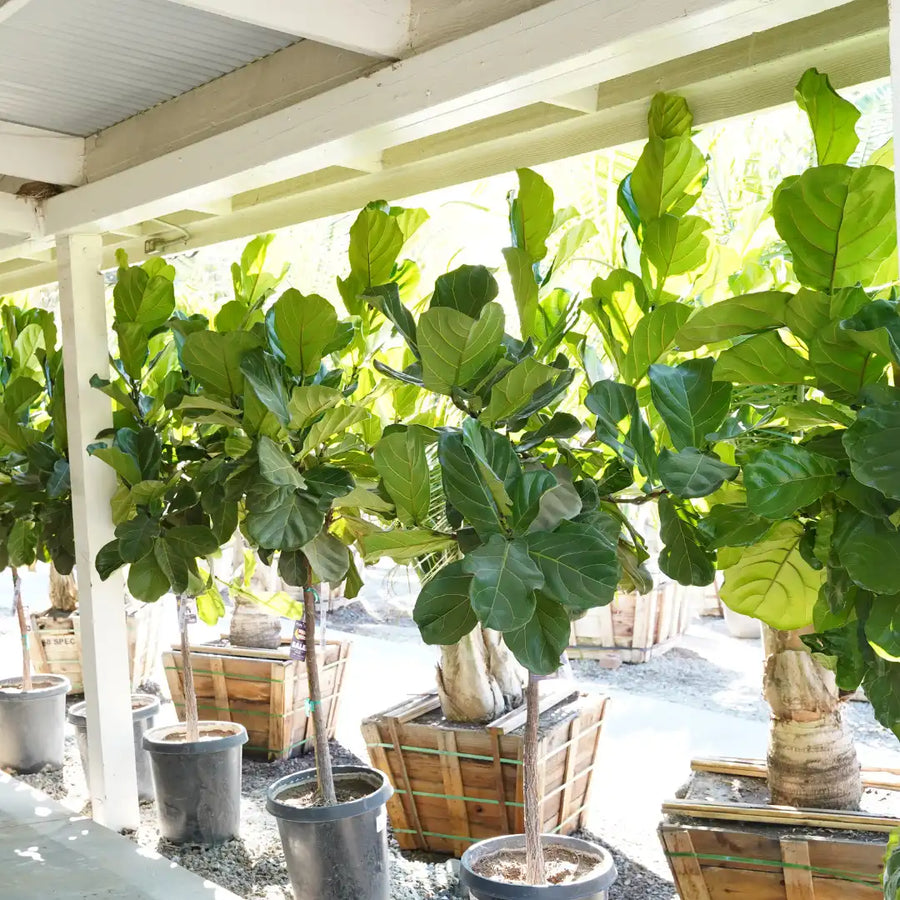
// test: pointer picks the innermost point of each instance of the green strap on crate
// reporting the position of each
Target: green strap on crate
(854, 877)
(455, 797)
(431, 751)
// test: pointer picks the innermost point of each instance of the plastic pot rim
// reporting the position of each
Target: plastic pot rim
(599, 880)
(317, 814)
(154, 739)
(77, 712)
(8, 694)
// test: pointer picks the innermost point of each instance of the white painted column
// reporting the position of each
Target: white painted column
(104, 640)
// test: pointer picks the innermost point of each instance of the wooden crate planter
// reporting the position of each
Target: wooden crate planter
(263, 690)
(55, 645)
(634, 627)
(774, 853)
(457, 784)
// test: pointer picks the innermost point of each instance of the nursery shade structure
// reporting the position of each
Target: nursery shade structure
(164, 125)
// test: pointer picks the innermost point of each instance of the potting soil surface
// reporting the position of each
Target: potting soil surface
(561, 866)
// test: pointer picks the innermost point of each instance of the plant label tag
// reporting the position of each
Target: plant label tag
(187, 610)
(298, 641)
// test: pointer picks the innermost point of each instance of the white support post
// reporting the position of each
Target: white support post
(104, 640)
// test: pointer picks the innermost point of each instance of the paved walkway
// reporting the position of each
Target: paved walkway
(47, 852)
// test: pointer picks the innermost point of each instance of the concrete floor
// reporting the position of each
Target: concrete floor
(47, 852)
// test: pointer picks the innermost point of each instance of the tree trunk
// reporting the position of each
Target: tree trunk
(812, 760)
(478, 678)
(534, 851)
(63, 591)
(192, 727)
(324, 773)
(252, 626)
(23, 629)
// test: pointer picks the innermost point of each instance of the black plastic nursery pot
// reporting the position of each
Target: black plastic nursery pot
(33, 723)
(198, 784)
(335, 852)
(593, 886)
(144, 708)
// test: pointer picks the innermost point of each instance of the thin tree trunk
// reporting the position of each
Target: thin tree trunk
(534, 851)
(192, 727)
(812, 761)
(324, 773)
(63, 591)
(23, 629)
(478, 679)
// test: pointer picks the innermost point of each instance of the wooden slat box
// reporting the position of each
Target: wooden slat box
(55, 646)
(456, 784)
(634, 627)
(755, 852)
(263, 690)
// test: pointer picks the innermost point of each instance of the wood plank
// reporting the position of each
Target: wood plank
(500, 786)
(872, 776)
(394, 731)
(396, 808)
(686, 869)
(569, 775)
(220, 691)
(551, 696)
(798, 883)
(454, 789)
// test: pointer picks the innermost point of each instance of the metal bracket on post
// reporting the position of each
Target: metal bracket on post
(104, 639)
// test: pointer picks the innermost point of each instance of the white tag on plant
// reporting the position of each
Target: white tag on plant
(187, 610)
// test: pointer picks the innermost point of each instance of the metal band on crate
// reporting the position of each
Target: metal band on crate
(431, 751)
(854, 877)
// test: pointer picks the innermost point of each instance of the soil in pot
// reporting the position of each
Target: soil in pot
(307, 796)
(198, 783)
(562, 865)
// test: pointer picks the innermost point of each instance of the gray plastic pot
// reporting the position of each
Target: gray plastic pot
(594, 887)
(144, 708)
(33, 723)
(335, 852)
(198, 785)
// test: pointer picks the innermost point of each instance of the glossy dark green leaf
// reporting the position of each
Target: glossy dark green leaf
(684, 556)
(142, 299)
(653, 336)
(580, 569)
(731, 318)
(305, 325)
(215, 360)
(109, 559)
(464, 487)
(264, 374)
(869, 550)
(276, 466)
(539, 644)
(873, 445)
(782, 480)
(326, 483)
(559, 425)
(883, 626)
(690, 402)
(280, 518)
(443, 611)
(328, 556)
(763, 359)
(732, 526)
(386, 299)
(690, 473)
(21, 545)
(136, 537)
(525, 494)
(511, 394)
(842, 367)
(146, 579)
(467, 289)
(172, 563)
(403, 467)
(192, 541)
(504, 579)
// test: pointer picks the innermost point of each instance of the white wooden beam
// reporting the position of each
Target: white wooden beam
(584, 100)
(374, 27)
(10, 8)
(39, 155)
(561, 46)
(19, 216)
(101, 604)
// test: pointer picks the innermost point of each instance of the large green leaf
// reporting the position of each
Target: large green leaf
(668, 177)
(215, 360)
(876, 327)
(669, 116)
(333, 422)
(304, 325)
(732, 526)
(731, 318)
(264, 373)
(784, 479)
(467, 289)
(464, 486)
(873, 445)
(401, 463)
(773, 582)
(514, 390)
(277, 466)
(310, 401)
(883, 627)
(869, 550)
(386, 299)
(524, 287)
(140, 299)
(842, 367)
(525, 495)
(674, 246)
(763, 359)
(539, 644)
(613, 403)
(280, 518)
(531, 214)
(457, 350)
(403, 546)
(328, 556)
(832, 119)
(838, 223)
(146, 579)
(690, 473)
(376, 239)
(807, 313)
(652, 337)
(684, 556)
(443, 611)
(504, 579)
(21, 544)
(136, 537)
(580, 569)
(173, 564)
(690, 403)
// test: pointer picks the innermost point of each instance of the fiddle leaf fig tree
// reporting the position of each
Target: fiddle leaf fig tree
(35, 493)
